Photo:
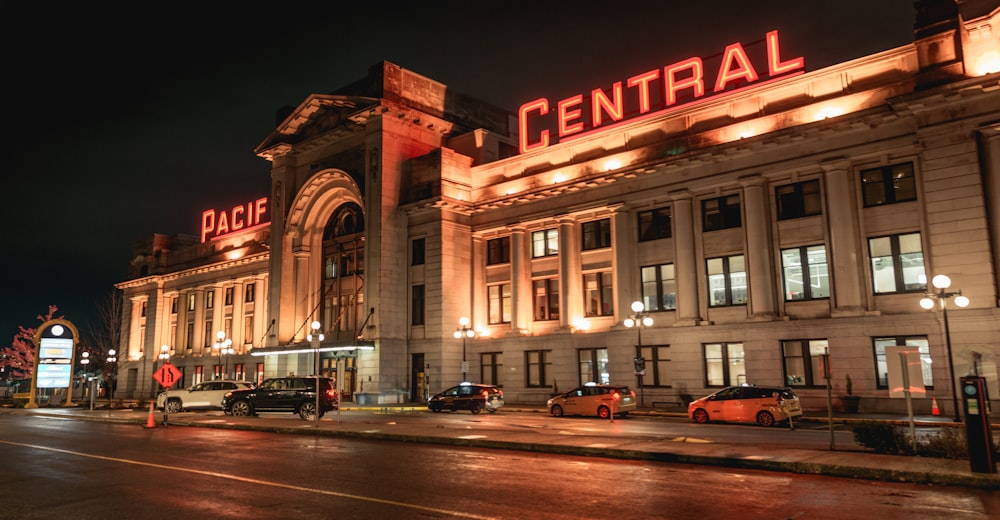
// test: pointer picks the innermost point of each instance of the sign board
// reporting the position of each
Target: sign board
(167, 375)
(55, 363)
(894, 358)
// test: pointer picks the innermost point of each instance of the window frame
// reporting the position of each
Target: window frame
(498, 251)
(810, 366)
(728, 211)
(595, 234)
(793, 200)
(545, 243)
(726, 362)
(604, 291)
(728, 278)
(550, 286)
(806, 269)
(418, 303)
(537, 365)
(665, 289)
(888, 186)
(593, 366)
(499, 305)
(920, 342)
(899, 271)
(418, 251)
(657, 362)
(654, 224)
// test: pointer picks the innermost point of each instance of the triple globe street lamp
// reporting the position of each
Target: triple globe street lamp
(639, 319)
(942, 283)
(464, 331)
(315, 338)
(225, 347)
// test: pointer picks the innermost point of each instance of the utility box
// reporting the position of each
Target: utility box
(978, 432)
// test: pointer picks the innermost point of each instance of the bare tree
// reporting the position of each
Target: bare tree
(107, 333)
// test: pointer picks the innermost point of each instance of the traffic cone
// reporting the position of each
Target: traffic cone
(151, 421)
(934, 407)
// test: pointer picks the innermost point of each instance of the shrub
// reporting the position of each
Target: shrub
(882, 437)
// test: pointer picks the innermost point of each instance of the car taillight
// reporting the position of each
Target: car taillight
(331, 393)
(615, 395)
(486, 395)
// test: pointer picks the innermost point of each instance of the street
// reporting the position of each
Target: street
(62, 467)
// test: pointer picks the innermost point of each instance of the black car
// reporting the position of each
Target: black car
(283, 394)
(468, 396)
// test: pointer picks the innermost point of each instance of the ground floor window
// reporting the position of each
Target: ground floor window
(882, 365)
(802, 360)
(491, 368)
(593, 366)
(657, 365)
(538, 364)
(724, 364)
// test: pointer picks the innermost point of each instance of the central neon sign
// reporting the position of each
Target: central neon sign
(677, 84)
(215, 224)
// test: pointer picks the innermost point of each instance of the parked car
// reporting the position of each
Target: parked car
(206, 395)
(468, 396)
(765, 405)
(283, 394)
(594, 399)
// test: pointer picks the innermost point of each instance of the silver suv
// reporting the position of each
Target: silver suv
(206, 395)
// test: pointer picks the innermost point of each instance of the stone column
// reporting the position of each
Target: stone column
(570, 282)
(760, 260)
(685, 259)
(845, 241)
(520, 280)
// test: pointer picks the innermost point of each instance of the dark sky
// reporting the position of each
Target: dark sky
(125, 122)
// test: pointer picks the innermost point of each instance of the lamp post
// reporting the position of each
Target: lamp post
(315, 338)
(85, 360)
(164, 357)
(941, 283)
(225, 347)
(112, 369)
(464, 331)
(639, 319)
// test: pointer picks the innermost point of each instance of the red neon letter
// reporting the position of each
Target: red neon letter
(600, 101)
(207, 222)
(260, 210)
(566, 115)
(237, 221)
(744, 69)
(774, 64)
(542, 106)
(223, 227)
(673, 85)
(642, 81)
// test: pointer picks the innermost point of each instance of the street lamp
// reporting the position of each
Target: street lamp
(639, 319)
(112, 368)
(225, 347)
(315, 338)
(464, 331)
(85, 360)
(941, 283)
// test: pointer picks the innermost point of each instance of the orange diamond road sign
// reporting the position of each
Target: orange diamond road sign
(167, 375)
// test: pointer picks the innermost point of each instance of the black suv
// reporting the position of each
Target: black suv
(468, 396)
(283, 394)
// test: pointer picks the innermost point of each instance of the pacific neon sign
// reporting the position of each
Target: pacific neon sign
(215, 224)
(677, 84)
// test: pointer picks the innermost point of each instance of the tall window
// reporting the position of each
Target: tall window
(806, 275)
(417, 305)
(654, 224)
(173, 305)
(189, 336)
(250, 290)
(210, 299)
(801, 199)
(596, 234)
(142, 309)
(544, 243)
(597, 293)
(724, 364)
(657, 366)
(917, 342)
(897, 263)
(417, 251)
(721, 213)
(546, 299)
(727, 281)
(659, 289)
(888, 184)
(191, 301)
(498, 251)
(248, 329)
(491, 368)
(229, 296)
(593, 366)
(499, 303)
(537, 363)
(209, 334)
(803, 362)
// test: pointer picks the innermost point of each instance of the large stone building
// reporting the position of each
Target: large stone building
(764, 215)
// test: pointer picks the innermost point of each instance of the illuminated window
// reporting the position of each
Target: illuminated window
(248, 329)
(593, 366)
(191, 301)
(801, 199)
(544, 243)
(499, 303)
(417, 305)
(210, 299)
(917, 342)
(654, 224)
(897, 264)
(229, 296)
(491, 368)
(498, 251)
(806, 273)
(659, 289)
(249, 295)
(546, 299)
(658, 371)
(538, 365)
(727, 281)
(596, 234)
(721, 213)
(417, 248)
(888, 184)
(724, 364)
(803, 362)
(598, 294)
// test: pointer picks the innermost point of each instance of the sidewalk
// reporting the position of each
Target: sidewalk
(848, 463)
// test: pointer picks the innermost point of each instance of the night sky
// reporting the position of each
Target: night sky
(122, 123)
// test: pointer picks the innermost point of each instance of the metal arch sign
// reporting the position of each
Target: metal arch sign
(167, 375)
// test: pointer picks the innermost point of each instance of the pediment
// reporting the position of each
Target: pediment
(317, 115)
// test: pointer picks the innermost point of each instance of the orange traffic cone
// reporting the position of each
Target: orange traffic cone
(151, 421)
(934, 407)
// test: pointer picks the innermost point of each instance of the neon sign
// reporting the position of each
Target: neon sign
(215, 224)
(676, 84)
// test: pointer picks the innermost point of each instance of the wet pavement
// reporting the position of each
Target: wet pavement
(849, 463)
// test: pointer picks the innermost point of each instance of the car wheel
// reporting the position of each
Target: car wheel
(604, 412)
(174, 406)
(475, 408)
(491, 410)
(241, 409)
(556, 411)
(765, 419)
(307, 410)
(700, 416)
